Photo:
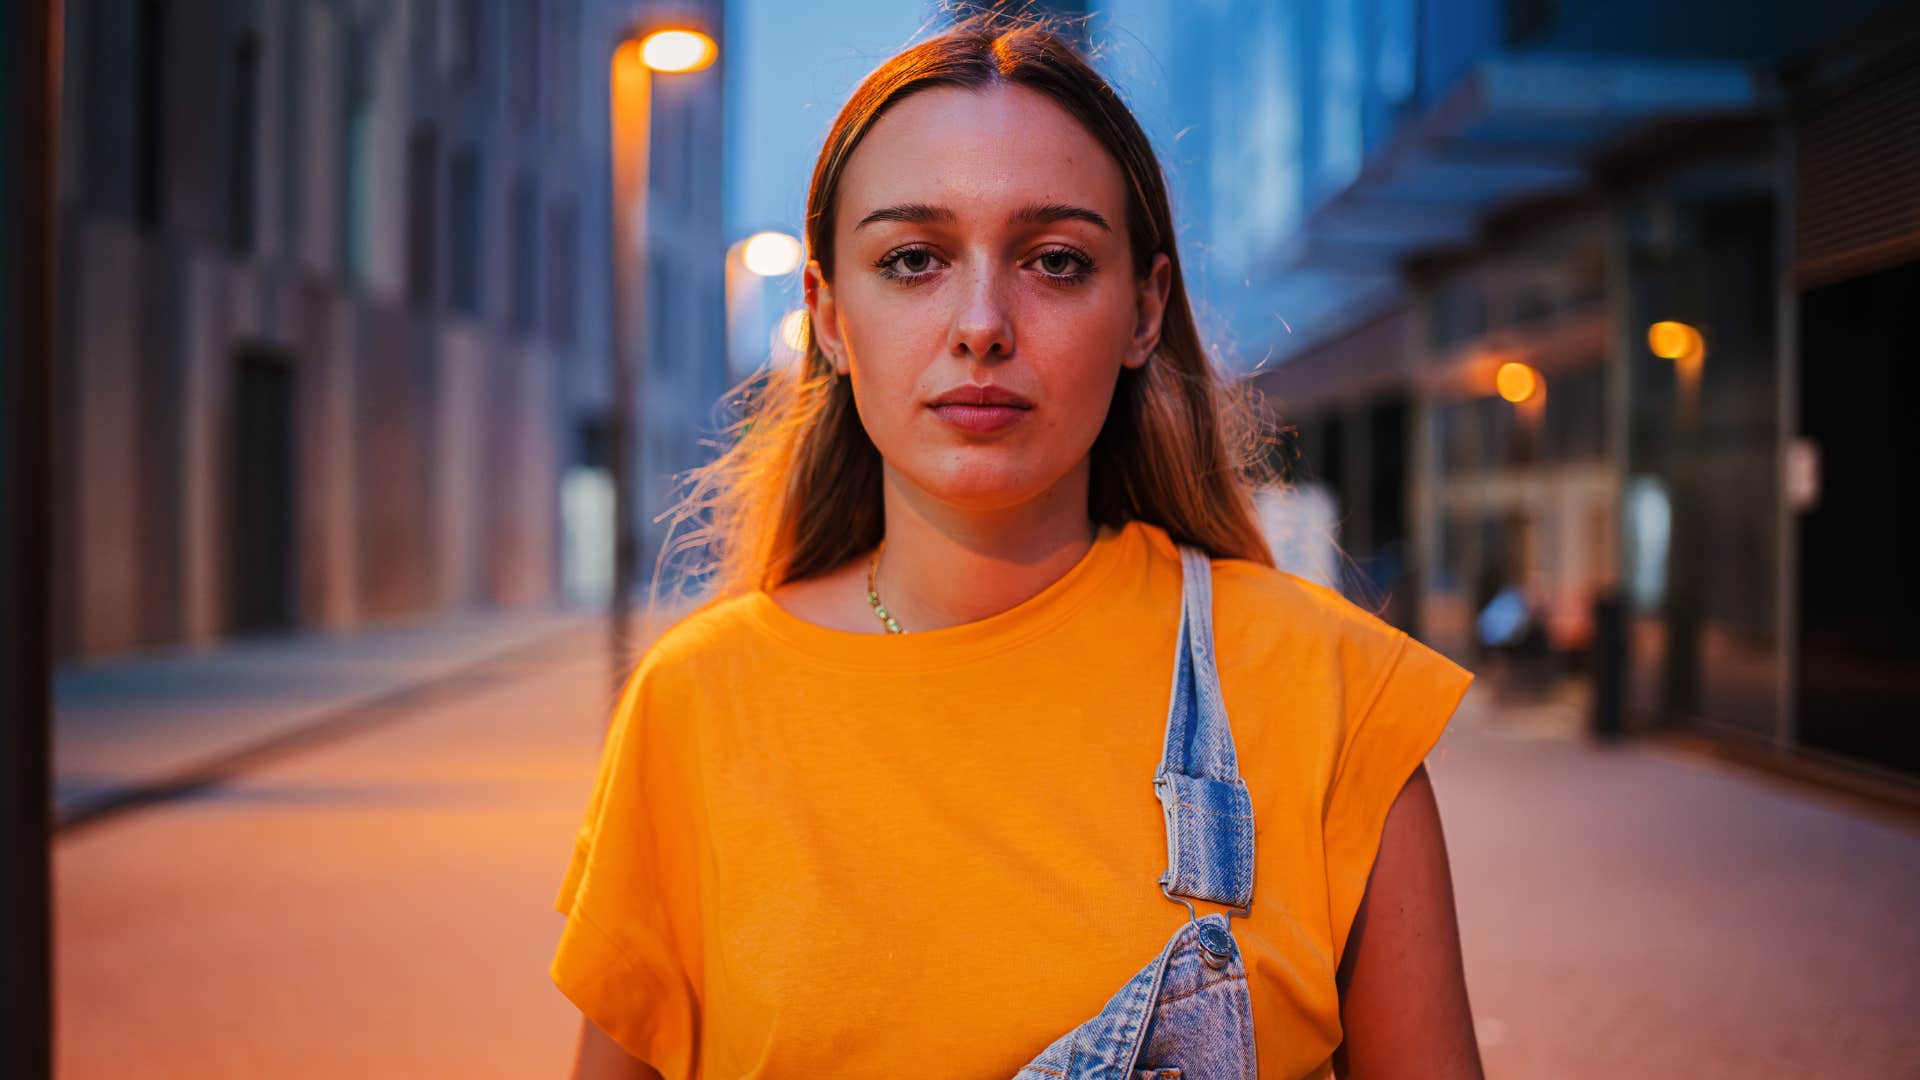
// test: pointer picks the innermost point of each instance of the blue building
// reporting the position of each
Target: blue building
(1440, 236)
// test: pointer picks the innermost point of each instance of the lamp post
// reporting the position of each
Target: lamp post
(751, 263)
(670, 50)
(1687, 348)
(1521, 385)
(1685, 603)
(30, 56)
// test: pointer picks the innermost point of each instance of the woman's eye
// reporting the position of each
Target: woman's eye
(909, 264)
(906, 263)
(1066, 265)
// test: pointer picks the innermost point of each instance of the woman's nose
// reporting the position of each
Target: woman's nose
(983, 325)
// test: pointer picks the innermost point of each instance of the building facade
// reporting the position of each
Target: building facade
(334, 311)
(1628, 387)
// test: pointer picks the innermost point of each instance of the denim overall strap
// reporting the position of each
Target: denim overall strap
(1178, 1008)
(1189, 1011)
(1209, 816)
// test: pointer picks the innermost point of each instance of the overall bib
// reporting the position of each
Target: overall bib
(1187, 1015)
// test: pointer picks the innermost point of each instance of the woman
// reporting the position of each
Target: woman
(881, 807)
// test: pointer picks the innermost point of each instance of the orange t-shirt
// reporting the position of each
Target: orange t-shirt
(814, 852)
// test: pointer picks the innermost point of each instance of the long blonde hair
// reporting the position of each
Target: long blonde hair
(796, 490)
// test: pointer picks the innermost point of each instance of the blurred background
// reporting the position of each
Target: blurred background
(354, 347)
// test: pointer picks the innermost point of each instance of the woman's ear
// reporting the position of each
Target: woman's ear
(1149, 309)
(823, 322)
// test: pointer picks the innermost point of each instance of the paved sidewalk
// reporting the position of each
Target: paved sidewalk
(124, 724)
(1637, 911)
(373, 906)
(378, 905)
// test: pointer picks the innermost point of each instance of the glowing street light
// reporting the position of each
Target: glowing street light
(772, 254)
(1674, 340)
(1516, 381)
(792, 331)
(678, 50)
(675, 50)
(1684, 345)
(760, 271)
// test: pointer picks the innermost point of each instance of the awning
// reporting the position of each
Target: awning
(1516, 129)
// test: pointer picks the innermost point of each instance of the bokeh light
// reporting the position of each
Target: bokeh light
(1516, 381)
(1673, 340)
(772, 254)
(793, 330)
(678, 50)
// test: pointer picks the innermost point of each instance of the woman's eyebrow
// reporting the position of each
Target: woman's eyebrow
(1044, 213)
(913, 213)
(1036, 214)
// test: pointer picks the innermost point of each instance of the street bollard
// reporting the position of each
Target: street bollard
(1608, 721)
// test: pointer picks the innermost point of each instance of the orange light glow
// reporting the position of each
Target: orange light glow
(793, 330)
(628, 63)
(1516, 381)
(1674, 340)
(772, 254)
(678, 50)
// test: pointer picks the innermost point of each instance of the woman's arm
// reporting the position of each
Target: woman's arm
(600, 1058)
(1403, 995)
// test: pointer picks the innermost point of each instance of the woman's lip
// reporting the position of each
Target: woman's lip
(980, 418)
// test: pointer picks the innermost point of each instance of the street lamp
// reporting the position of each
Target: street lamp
(1521, 385)
(789, 339)
(1686, 558)
(1516, 381)
(772, 254)
(1687, 348)
(677, 50)
(753, 265)
(667, 50)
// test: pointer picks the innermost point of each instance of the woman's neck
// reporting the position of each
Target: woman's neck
(943, 566)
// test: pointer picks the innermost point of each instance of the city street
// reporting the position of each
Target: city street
(377, 904)
(353, 347)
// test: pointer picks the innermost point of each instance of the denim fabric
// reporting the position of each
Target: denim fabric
(1187, 1015)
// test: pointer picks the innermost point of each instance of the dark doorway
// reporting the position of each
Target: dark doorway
(261, 522)
(1859, 584)
(1385, 562)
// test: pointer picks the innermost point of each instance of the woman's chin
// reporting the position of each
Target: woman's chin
(985, 486)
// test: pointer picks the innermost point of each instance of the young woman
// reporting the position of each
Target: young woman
(941, 782)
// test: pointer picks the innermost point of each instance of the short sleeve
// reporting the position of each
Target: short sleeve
(629, 951)
(1397, 727)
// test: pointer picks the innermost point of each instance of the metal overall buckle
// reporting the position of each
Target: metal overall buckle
(1216, 943)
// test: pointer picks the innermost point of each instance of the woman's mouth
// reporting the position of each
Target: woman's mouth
(979, 409)
(981, 419)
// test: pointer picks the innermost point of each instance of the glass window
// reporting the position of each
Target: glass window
(242, 112)
(1457, 313)
(423, 214)
(523, 70)
(563, 265)
(521, 228)
(464, 235)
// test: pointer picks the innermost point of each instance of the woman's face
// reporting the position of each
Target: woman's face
(983, 301)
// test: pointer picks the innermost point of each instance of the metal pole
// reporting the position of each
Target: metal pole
(30, 50)
(1786, 517)
(630, 110)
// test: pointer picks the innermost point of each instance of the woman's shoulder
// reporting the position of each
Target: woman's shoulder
(1250, 596)
(1273, 628)
(1307, 636)
(1261, 611)
(711, 629)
